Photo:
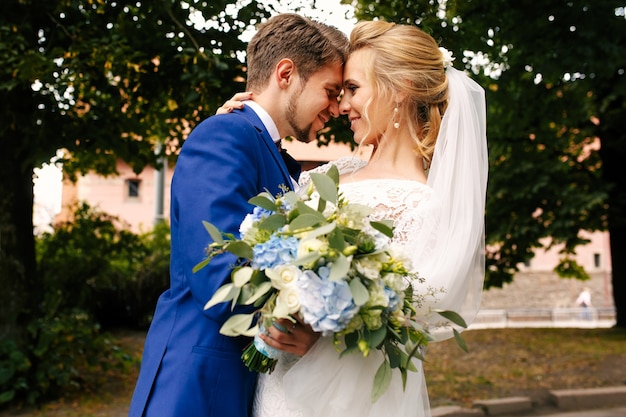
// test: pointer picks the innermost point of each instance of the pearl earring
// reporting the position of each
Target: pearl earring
(395, 114)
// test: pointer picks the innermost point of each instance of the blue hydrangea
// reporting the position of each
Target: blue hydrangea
(326, 305)
(277, 250)
(259, 213)
(394, 300)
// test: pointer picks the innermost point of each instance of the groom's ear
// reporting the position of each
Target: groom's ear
(285, 73)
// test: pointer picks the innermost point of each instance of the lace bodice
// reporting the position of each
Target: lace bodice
(408, 203)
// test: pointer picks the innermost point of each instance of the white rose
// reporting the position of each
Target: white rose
(283, 276)
(307, 246)
(287, 302)
(246, 224)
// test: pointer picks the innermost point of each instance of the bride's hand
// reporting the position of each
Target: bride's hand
(296, 338)
(235, 102)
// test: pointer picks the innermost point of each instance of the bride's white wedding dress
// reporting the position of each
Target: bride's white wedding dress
(441, 224)
(322, 384)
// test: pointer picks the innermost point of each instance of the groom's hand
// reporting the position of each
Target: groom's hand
(296, 338)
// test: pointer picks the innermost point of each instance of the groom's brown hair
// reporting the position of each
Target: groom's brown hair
(310, 45)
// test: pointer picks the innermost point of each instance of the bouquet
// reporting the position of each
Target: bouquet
(317, 256)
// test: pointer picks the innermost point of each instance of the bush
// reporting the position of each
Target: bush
(62, 354)
(95, 274)
(98, 266)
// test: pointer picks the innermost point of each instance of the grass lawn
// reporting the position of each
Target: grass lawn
(500, 363)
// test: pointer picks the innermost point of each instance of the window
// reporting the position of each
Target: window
(596, 260)
(132, 187)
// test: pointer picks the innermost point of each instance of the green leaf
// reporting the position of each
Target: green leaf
(304, 221)
(240, 249)
(303, 208)
(320, 231)
(273, 222)
(214, 232)
(381, 381)
(325, 186)
(237, 325)
(460, 341)
(306, 259)
(384, 226)
(292, 198)
(201, 265)
(336, 240)
(376, 337)
(359, 292)
(262, 200)
(339, 269)
(394, 354)
(333, 174)
(259, 292)
(453, 317)
(242, 276)
(224, 293)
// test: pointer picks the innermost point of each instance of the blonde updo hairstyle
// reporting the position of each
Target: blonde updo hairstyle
(404, 60)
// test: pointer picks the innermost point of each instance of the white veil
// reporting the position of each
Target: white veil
(458, 177)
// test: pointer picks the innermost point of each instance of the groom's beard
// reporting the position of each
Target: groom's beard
(302, 134)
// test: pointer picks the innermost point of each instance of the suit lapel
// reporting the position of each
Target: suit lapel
(283, 160)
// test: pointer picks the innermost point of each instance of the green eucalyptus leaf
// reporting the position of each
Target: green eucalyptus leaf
(214, 232)
(240, 249)
(260, 291)
(384, 226)
(460, 341)
(333, 174)
(241, 276)
(376, 337)
(325, 186)
(381, 381)
(237, 325)
(339, 269)
(453, 317)
(264, 202)
(304, 208)
(306, 259)
(201, 265)
(359, 292)
(336, 240)
(273, 222)
(304, 221)
(224, 293)
(320, 231)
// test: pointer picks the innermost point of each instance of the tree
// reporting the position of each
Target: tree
(103, 80)
(555, 84)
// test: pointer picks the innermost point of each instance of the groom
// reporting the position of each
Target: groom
(295, 74)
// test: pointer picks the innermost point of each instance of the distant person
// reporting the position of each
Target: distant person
(584, 301)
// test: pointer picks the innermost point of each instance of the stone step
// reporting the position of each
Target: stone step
(504, 406)
(589, 398)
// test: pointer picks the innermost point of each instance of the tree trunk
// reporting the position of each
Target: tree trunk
(613, 153)
(618, 248)
(19, 293)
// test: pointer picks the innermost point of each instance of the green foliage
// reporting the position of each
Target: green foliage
(93, 264)
(13, 367)
(94, 274)
(101, 80)
(63, 354)
(554, 86)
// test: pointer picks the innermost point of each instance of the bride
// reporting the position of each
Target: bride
(428, 173)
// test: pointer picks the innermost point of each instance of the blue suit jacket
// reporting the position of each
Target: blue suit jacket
(188, 368)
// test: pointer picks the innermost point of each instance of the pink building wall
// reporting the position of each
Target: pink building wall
(112, 196)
